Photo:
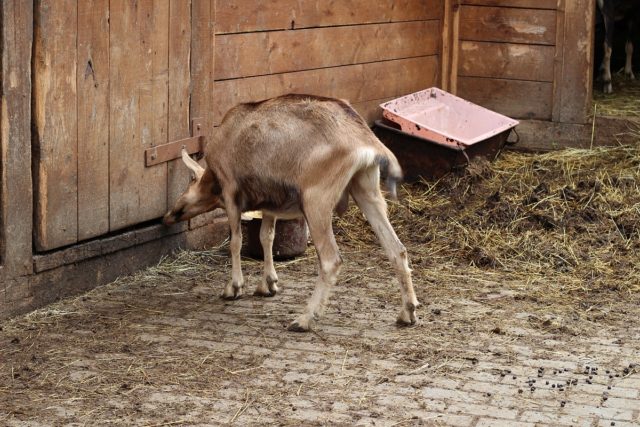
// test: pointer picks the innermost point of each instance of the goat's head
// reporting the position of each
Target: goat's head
(202, 194)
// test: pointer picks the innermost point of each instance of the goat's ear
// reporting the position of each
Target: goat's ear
(192, 164)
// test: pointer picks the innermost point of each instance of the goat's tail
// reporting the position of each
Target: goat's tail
(390, 171)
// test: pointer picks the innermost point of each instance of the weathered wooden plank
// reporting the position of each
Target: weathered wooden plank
(500, 24)
(506, 60)
(546, 136)
(249, 15)
(144, 250)
(370, 110)
(356, 83)
(55, 118)
(179, 81)
(254, 54)
(558, 62)
(577, 69)
(532, 4)
(16, 214)
(506, 96)
(455, 54)
(93, 118)
(203, 42)
(447, 47)
(137, 33)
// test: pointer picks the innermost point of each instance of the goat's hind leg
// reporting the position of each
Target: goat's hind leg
(365, 190)
(268, 287)
(318, 215)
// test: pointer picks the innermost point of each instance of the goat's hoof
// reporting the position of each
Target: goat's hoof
(295, 326)
(267, 289)
(232, 292)
(407, 316)
(259, 292)
(608, 88)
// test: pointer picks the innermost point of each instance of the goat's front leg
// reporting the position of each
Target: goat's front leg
(235, 287)
(319, 222)
(269, 285)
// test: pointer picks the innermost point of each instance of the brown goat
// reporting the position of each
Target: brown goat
(293, 156)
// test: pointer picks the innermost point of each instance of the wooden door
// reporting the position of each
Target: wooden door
(528, 59)
(111, 79)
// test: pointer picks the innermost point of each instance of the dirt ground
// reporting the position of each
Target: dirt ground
(527, 269)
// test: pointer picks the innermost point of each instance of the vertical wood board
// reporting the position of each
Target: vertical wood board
(55, 123)
(16, 197)
(135, 191)
(179, 80)
(93, 118)
(577, 69)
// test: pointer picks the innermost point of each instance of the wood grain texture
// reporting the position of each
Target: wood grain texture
(203, 42)
(93, 118)
(506, 60)
(136, 34)
(532, 4)
(254, 54)
(558, 62)
(514, 98)
(577, 70)
(179, 80)
(447, 46)
(500, 24)
(16, 197)
(356, 83)
(55, 119)
(237, 16)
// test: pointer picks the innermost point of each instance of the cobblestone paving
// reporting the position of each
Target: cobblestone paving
(166, 352)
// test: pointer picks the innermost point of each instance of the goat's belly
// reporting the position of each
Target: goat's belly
(262, 194)
(292, 214)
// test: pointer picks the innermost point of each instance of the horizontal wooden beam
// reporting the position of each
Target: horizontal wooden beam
(355, 83)
(547, 136)
(173, 150)
(242, 16)
(256, 54)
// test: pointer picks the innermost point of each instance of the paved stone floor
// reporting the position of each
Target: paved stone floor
(158, 349)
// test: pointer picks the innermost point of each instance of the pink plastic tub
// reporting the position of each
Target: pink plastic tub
(441, 117)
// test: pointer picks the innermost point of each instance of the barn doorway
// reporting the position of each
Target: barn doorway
(624, 102)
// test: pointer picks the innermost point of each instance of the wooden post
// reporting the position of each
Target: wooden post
(203, 18)
(16, 197)
(575, 85)
(445, 49)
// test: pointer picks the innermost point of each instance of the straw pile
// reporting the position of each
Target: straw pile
(624, 102)
(560, 229)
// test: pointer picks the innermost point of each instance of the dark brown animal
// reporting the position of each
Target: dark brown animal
(613, 13)
(293, 156)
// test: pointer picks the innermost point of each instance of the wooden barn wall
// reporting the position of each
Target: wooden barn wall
(363, 51)
(111, 79)
(506, 54)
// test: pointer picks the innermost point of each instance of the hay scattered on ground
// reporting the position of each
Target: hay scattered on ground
(561, 229)
(533, 252)
(624, 102)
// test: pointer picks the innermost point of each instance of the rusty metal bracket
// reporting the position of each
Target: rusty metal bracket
(173, 150)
